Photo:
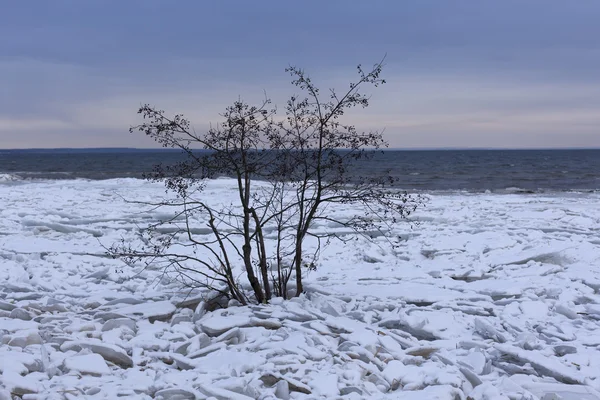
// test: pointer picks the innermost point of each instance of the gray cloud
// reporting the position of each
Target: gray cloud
(461, 73)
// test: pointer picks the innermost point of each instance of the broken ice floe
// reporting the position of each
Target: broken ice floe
(503, 304)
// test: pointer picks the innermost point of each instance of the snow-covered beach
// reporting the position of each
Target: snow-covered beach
(490, 296)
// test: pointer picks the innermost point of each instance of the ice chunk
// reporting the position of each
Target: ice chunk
(91, 364)
(100, 274)
(19, 313)
(476, 361)
(282, 390)
(183, 362)
(593, 309)
(154, 311)
(216, 325)
(487, 331)
(547, 366)
(17, 384)
(566, 311)
(24, 341)
(109, 352)
(293, 384)
(325, 385)
(176, 394)
(534, 309)
(118, 322)
(123, 300)
(562, 350)
(412, 377)
(7, 306)
(487, 391)
(561, 391)
(221, 393)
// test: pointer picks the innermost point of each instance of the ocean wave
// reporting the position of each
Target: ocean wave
(9, 178)
(518, 190)
(505, 191)
(426, 185)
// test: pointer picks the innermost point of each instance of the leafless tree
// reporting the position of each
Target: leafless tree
(288, 171)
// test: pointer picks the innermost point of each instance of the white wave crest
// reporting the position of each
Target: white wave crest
(9, 178)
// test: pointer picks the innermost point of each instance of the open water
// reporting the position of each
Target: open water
(520, 171)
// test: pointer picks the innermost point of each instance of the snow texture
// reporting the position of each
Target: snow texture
(487, 297)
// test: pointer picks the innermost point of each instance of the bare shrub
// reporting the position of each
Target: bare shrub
(288, 171)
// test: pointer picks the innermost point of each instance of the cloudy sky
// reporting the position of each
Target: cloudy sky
(477, 73)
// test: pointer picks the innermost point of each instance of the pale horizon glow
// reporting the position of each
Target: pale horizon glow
(460, 75)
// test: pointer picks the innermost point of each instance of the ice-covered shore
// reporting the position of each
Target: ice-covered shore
(490, 297)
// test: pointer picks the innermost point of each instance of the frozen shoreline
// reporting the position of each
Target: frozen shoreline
(489, 296)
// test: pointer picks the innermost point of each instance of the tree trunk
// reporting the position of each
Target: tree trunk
(298, 266)
(260, 298)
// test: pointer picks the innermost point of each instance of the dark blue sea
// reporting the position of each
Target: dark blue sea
(520, 171)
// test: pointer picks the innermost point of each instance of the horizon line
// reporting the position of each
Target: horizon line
(158, 149)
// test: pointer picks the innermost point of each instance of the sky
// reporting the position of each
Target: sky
(460, 74)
